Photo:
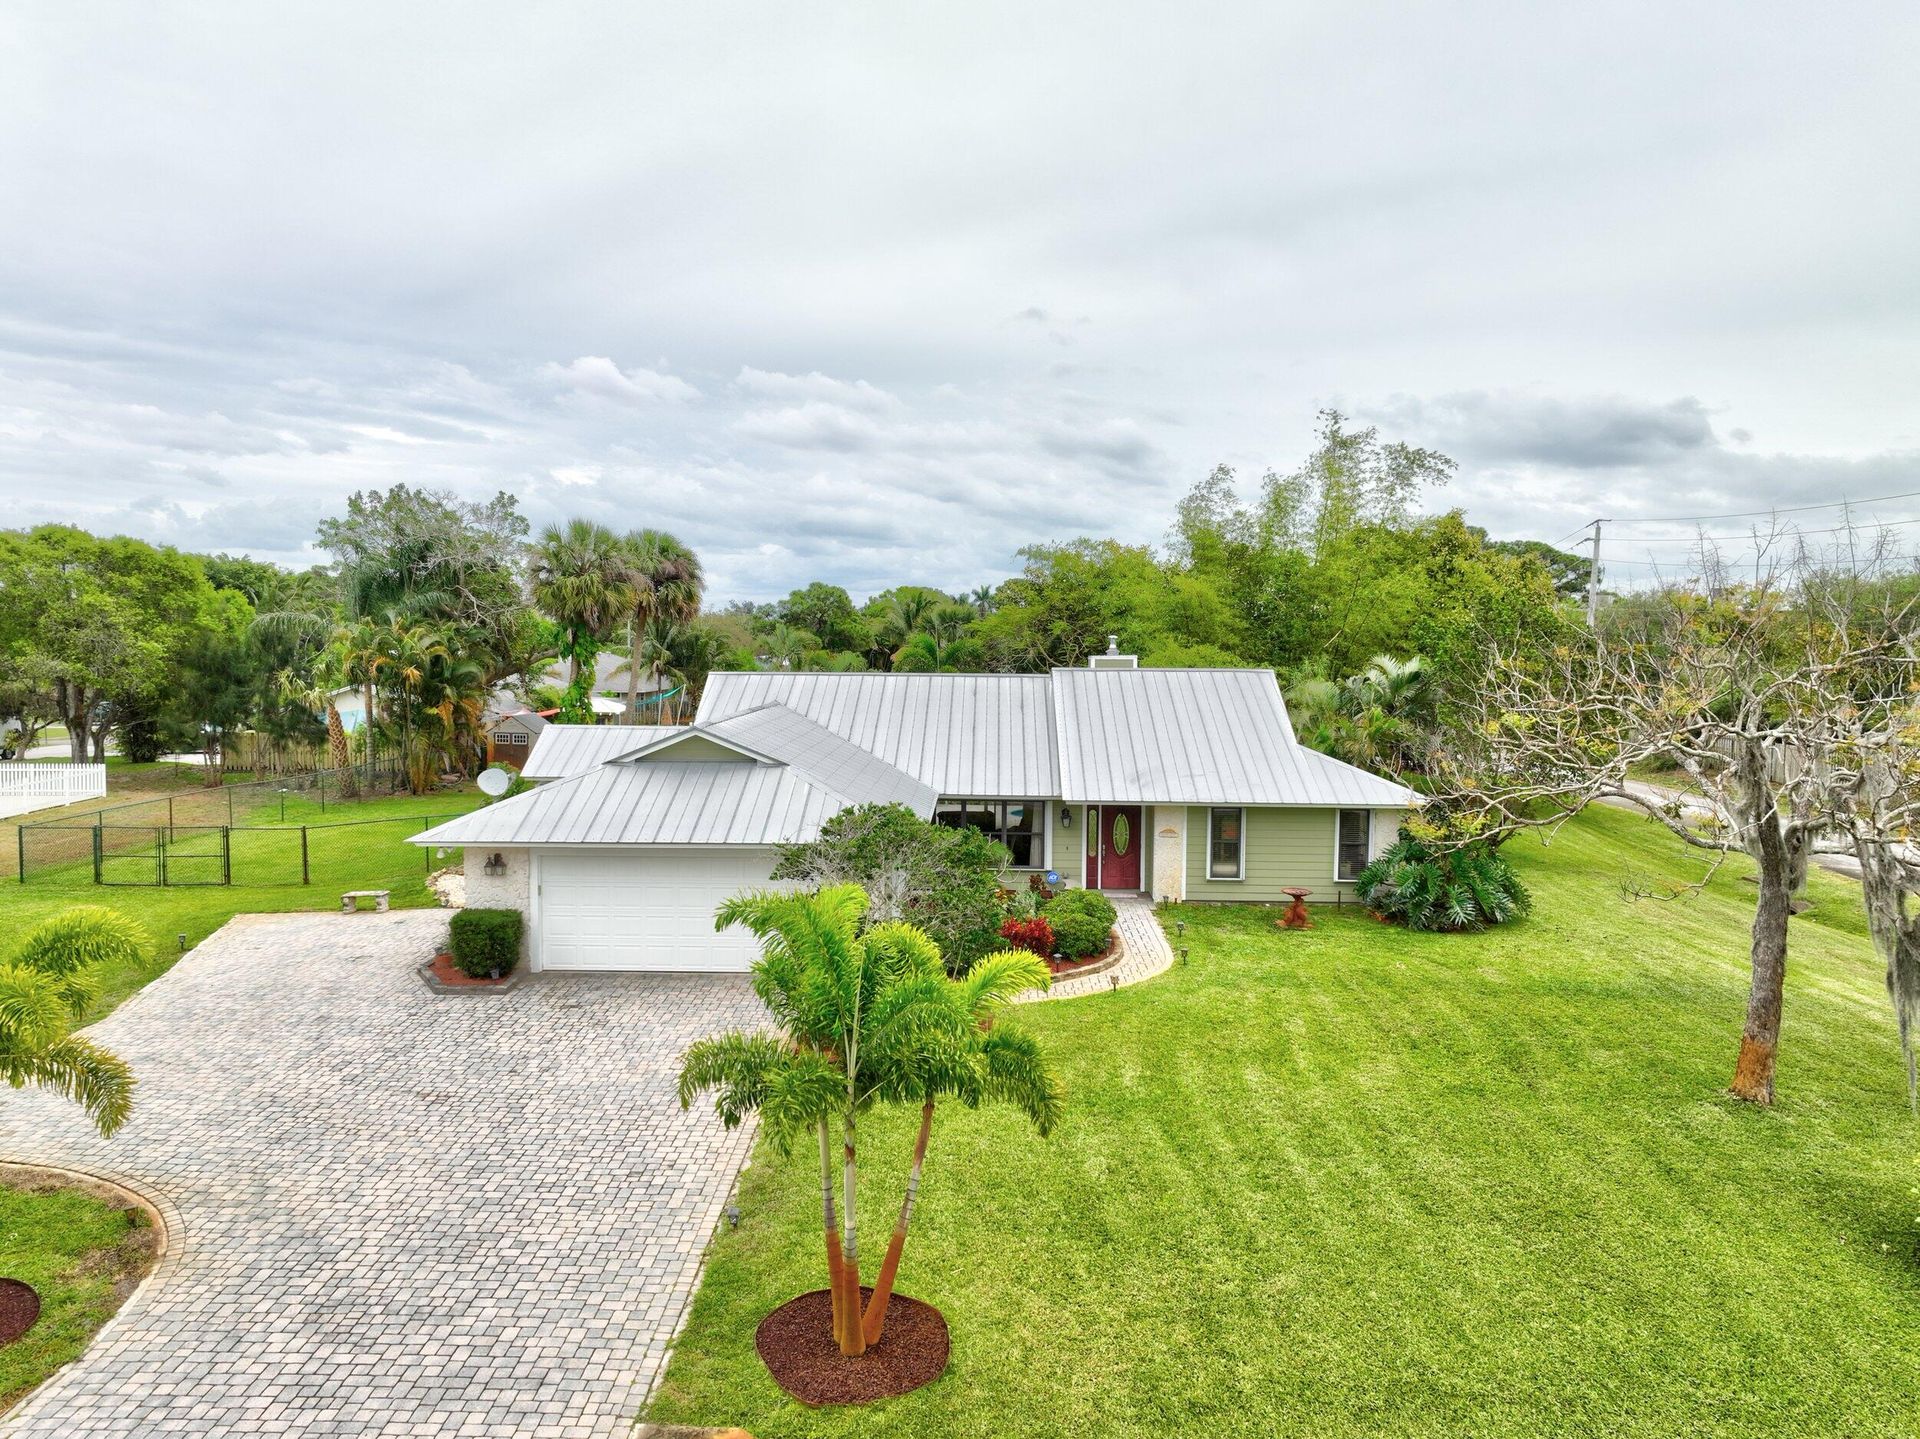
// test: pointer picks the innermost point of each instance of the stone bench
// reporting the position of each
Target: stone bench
(350, 901)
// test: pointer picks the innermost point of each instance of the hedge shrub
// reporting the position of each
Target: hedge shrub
(1079, 936)
(1089, 902)
(486, 941)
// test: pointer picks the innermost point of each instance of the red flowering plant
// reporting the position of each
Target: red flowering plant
(1030, 932)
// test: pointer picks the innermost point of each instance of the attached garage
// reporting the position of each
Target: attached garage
(642, 909)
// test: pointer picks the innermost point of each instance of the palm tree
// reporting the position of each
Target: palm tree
(982, 599)
(46, 985)
(583, 580)
(314, 690)
(787, 646)
(864, 1017)
(667, 581)
(407, 653)
(357, 649)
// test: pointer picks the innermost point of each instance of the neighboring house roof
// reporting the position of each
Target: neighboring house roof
(963, 735)
(1195, 736)
(774, 777)
(521, 719)
(564, 750)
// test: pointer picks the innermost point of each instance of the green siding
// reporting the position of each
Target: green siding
(692, 748)
(1288, 848)
(1070, 845)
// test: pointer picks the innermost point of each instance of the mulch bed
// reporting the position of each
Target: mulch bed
(452, 975)
(796, 1344)
(20, 1306)
(1067, 968)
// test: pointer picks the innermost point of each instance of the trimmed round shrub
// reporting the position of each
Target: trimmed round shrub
(1079, 936)
(1089, 902)
(1451, 890)
(486, 941)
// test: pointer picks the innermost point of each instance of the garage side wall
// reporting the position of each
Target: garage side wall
(511, 890)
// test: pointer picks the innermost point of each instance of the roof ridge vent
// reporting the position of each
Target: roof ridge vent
(1113, 659)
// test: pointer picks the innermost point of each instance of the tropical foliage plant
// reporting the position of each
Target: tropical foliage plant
(1466, 888)
(865, 1015)
(47, 983)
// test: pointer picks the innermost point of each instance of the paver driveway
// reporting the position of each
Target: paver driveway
(394, 1212)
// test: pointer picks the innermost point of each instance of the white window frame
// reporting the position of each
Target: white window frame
(1368, 851)
(1241, 854)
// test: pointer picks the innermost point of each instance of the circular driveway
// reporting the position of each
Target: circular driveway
(393, 1212)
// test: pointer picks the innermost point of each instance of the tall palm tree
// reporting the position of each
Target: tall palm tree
(583, 580)
(864, 1016)
(982, 599)
(667, 582)
(787, 646)
(46, 986)
(357, 648)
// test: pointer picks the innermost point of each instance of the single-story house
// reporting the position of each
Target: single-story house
(510, 738)
(1187, 784)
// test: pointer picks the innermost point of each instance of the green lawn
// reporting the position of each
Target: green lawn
(371, 853)
(1358, 1181)
(82, 1255)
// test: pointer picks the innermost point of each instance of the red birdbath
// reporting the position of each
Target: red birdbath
(1296, 915)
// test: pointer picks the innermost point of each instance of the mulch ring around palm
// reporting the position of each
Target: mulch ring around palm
(796, 1344)
(19, 1307)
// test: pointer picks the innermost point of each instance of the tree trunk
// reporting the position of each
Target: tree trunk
(366, 734)
(1771, 847)
(875, 1321)
(853, 1341)
(72, 701)
(337, 750)
(832, 1228)
(1885, 885)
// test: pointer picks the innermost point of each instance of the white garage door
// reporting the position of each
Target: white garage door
(650, 911)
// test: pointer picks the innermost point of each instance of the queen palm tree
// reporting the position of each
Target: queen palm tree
(667, 581)
(583, 580)
(864, 1016)
(46, 985)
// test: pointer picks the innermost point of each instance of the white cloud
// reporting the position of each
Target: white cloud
(599, 376)
(853, 394)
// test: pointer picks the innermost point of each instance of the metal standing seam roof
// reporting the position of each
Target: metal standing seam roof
(563, 750)
(965, 735)
(801, 776)
(1194, 736)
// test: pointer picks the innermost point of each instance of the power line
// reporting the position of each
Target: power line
(1783, 534)
(1757, 514)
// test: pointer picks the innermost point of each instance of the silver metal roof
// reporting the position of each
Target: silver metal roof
(1194, 736)
(792, 776)
(825, 758)
(563, 750)
(711, 802)
(962, 735)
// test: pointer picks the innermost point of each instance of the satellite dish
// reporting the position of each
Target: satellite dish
(494, 782)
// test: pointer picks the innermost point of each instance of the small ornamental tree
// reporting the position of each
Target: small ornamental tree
(865, 1017)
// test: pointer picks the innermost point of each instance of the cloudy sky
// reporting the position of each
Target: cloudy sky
(878, 293)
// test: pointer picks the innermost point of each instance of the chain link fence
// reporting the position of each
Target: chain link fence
(198, 836)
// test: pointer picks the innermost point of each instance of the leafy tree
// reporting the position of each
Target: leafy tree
(827, 612)
(865, 1015)
(945, 881)
(426, 553)
(47, 984)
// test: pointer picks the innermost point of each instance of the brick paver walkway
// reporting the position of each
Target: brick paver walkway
(1148, 954)
(392, 1213)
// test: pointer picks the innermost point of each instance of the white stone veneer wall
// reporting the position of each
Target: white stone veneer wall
(511, 890)
(1169, 851)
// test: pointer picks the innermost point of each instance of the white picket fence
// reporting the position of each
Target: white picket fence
(27, 787)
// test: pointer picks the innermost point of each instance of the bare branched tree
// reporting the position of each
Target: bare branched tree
(1778, 701)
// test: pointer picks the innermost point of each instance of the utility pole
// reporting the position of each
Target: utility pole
(1593, 577)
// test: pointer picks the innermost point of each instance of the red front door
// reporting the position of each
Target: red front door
(1113, 859)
